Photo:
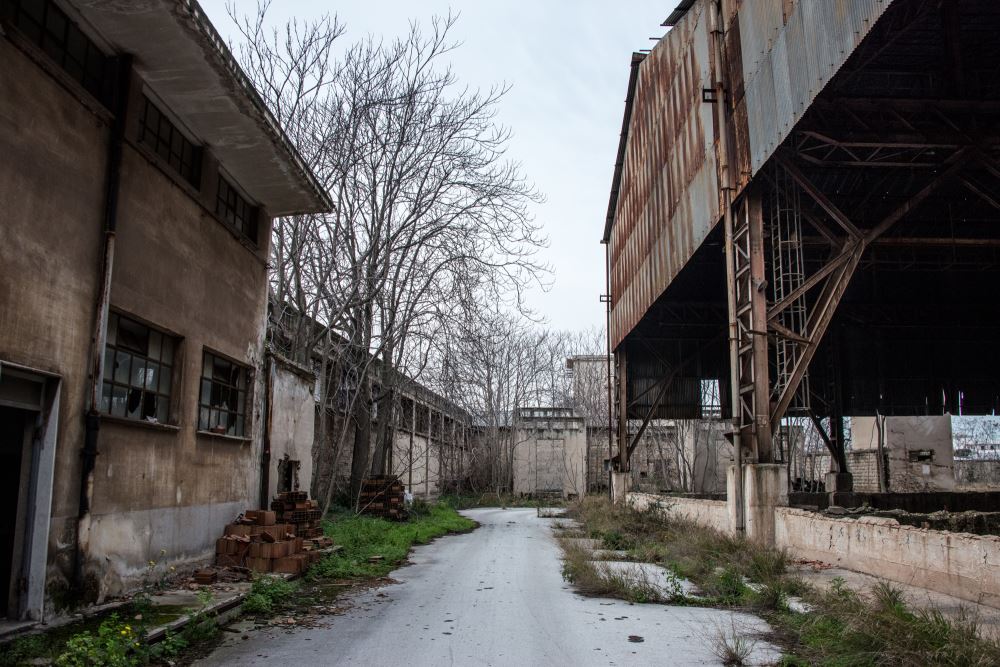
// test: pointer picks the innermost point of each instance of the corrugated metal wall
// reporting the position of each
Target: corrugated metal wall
(669, 195)
(785, 66)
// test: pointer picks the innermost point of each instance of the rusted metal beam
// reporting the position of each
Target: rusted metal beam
(976, 190)
(819, 321)
(762, 430)
(833, 291)
(954, 164)
(809, 283)
(824, 202)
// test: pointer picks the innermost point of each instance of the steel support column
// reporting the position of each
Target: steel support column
(748, 293)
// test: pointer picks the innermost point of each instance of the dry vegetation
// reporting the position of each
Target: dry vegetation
(844, 629)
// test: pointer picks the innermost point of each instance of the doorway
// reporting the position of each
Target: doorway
(15, 440)
(29, 409)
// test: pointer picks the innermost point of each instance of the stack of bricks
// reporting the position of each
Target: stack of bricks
(297, 510)
(382, 496)
(257, 542)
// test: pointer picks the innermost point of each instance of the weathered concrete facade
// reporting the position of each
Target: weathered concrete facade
(550, 446)
(291, 424)
(899, 454)
(164, 480)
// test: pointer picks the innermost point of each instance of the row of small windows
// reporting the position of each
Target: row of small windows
(139, 373)
(47, 26)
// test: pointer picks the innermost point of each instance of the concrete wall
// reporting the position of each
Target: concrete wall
(550, 455)
(862, 464)
(162, 487)
(907, 439)
(417, 461)
(960, 564)
(292, 418)
(710, 513)
(966, 566)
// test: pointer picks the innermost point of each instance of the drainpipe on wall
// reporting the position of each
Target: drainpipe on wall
(611, 416)
(99, 339)
(726, 186)
(265, 450)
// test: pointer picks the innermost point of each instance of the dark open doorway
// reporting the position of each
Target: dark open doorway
(13, 430)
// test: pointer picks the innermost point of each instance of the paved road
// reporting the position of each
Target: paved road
(491, 597)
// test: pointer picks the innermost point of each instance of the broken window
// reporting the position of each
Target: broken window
(47, 26)
(921, 455)
(158, 133)
(222, 405)
(234, 209)
(138, 369)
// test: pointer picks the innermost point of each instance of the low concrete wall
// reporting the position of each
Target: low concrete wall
(711, 513)
(960, 564)
(966, 566)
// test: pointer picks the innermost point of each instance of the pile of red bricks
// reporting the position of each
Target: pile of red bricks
(257, 542)
(295, 508)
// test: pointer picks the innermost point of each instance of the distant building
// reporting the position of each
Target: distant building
(550, 446)
(139, 177)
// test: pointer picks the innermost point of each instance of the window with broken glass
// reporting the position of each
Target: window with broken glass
(222, 406)
(233, 208)
(138, 370)
(162, 137)
(48, 27)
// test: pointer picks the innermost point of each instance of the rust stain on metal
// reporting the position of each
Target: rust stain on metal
(779, 54)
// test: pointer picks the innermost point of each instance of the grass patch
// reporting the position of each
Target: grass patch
(269, 594)
(845, 629)
(374, 547)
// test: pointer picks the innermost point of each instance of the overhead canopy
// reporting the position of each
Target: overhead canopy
(187, 65)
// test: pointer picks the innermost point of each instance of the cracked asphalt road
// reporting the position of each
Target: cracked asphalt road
(494, 596)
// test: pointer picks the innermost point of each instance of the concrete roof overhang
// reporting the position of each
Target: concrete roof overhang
(185, 62)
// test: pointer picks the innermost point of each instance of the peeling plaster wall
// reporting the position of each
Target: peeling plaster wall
(51, 206)
(292, 423)
(176, 267)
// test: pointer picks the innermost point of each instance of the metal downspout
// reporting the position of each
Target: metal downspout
(265, 450)
(611, 417)
(92, 426)
(717, 27)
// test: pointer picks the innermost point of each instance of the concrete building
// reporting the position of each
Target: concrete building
(550, 450)
(140, 174)
(897, 454)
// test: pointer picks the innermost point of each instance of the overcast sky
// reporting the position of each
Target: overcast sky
(568, 63)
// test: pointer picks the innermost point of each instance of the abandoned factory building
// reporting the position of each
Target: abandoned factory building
(138, 182)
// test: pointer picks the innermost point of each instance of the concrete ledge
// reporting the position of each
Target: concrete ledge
(962, 565)
(958, 564)
(711, 513)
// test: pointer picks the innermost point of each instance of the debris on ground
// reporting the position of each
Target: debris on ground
(286, 539)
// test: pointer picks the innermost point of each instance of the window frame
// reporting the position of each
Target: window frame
(236, 210)
(207, 416)
(57, 35)
(167, 359)
(169, 143)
